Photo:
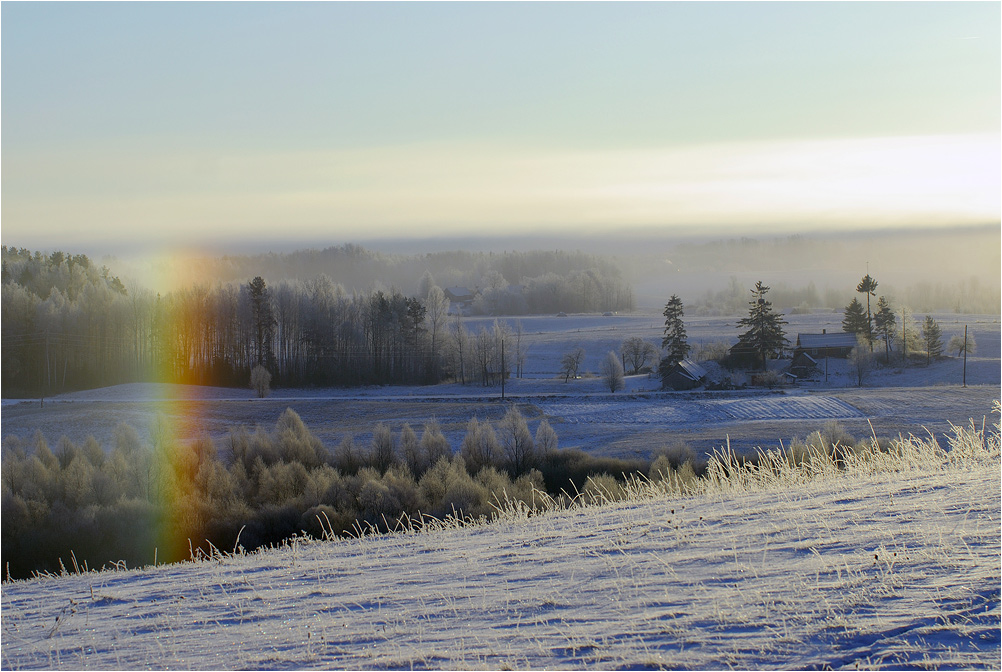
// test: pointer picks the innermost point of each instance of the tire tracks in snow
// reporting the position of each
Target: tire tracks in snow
(674, 411)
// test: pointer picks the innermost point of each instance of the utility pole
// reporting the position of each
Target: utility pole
(502, 369)
(965, 355)
(904, 336)
(48, 374)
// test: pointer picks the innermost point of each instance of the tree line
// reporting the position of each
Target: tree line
(162, 499)
(69, 325)
(547, 280)
(963, 296)
(907, 340)
(764, 337)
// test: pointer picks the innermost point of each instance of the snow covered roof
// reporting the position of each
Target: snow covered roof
(838, 339)
(691, 370)
(802, 356)
(459, 294)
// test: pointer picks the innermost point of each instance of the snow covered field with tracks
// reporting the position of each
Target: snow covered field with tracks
(876, 571)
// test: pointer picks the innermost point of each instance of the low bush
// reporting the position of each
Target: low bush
(568, 470)
(168, 501)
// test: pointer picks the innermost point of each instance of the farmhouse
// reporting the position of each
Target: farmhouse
(685, 375)
(836, 344)
(460, 298)
(741, 354)
(803, 365)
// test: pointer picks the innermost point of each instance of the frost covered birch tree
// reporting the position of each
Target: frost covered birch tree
(612, 372)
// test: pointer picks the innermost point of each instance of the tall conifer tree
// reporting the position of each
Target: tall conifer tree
(855, 320)
(932, 335)
(868, 286)
(765, 334)
(885, 322)
(264, 320)
(675, 340)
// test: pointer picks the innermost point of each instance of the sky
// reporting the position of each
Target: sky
(187, 124)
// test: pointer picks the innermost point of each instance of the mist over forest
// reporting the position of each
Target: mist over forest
(351, 315)
(953, 269)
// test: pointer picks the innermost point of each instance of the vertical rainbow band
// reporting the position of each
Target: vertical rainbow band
(177, 432)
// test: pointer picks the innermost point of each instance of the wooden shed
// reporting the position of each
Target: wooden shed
(685, 376)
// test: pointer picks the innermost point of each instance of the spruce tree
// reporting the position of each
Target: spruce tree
(855, 321)
(885, 322)
(765, 333)
(932, 336)
(264, 320)
(674, 341)
(868, 286)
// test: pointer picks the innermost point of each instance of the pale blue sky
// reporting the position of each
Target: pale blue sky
(183, 122)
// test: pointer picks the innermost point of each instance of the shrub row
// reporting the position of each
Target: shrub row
(164, 500)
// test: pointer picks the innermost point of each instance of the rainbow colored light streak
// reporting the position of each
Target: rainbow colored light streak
(178, 431)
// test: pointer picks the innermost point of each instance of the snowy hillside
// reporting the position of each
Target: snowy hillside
(894, 563)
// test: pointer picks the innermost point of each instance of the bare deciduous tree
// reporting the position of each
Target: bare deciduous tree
(636, 353)
(571, 363)
(437, 309)
(382, 453)
(861, 360)
(434, 445)
(480, 446)
(516, 442)
(460, 349)
(260, 381)
(410, 450)
(612, 372)
(546, 438)
(521, 348)
(959, 345)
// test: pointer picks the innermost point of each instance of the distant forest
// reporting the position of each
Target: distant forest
(550, 280)
(347, 315)
(948, 269)
(69, 324)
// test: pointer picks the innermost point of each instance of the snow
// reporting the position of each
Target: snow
(634, 423)
(882, 570)
(879, 571)
(692, 409)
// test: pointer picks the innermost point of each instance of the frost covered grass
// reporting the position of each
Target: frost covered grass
(876, 557)
(828, 456)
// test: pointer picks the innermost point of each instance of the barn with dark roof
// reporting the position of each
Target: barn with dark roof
(835, 344)
(685, 375)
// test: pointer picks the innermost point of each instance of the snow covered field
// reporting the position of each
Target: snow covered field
(874, 570)
(891, 570)
(636, 422)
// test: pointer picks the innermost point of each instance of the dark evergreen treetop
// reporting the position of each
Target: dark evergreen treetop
(932, 336)
(765, 334)
(855, 321)
(884, 323)
(264, 319)
(868, 286)
(675, 340)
